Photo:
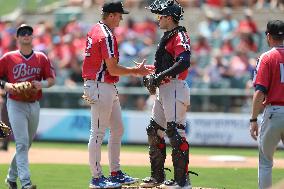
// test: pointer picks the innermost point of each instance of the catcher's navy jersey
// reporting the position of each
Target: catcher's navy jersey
(16, 68)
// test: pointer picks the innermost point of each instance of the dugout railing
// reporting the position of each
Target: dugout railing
(202, 99)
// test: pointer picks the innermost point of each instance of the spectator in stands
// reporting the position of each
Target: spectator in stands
(201, 46)
(227, 48)
(42, 38)
(248, 32)
(207, 27)
(240, 69)
(247, 43)
(202, 50)
(273, 4)
(248, 24)
(215, 3)
(227, 26)
(218, 71)
(195, 76)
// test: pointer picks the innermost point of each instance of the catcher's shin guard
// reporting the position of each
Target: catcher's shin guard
(157, 151)
(180, 153)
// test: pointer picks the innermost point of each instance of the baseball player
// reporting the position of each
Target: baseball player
(269, 93)
(172, 60)
(101, 72)
(17, 66)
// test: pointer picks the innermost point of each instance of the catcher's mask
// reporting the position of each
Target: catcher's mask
(167, 8)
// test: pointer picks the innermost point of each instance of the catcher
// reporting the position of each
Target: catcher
(27, 72)
(172, 60)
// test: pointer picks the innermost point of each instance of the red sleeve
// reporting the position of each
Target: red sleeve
(109, 47)
(181, 43)
(262, 72)
(48, 70)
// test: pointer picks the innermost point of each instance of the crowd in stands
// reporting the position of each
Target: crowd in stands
(223, 53)
(235, 4)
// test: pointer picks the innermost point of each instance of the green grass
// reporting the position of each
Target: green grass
(77, 176)
(31, 5)
(248, 152)
(48, 176)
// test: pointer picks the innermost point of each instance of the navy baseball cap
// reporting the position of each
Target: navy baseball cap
(24, 26)
(114, 6)
(275, 27)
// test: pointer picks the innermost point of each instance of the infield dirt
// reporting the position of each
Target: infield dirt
(75, 156)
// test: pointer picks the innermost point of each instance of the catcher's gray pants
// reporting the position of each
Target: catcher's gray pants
(171, 104)
(270, 133)
(24, 118)
(105, 113)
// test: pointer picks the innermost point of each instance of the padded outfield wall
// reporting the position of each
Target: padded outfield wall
(205, 129)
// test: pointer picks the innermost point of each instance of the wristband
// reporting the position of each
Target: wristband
(2, 84)
(253, 120)
(44, 84)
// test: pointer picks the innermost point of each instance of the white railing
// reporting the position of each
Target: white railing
(142, 90)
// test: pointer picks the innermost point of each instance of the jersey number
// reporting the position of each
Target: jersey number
(89, 44)
(282, 72)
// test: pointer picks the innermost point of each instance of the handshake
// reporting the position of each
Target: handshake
(151, 81)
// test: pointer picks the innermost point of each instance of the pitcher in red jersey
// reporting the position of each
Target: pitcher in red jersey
(101, 71)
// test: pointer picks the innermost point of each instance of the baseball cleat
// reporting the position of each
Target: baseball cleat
(10, 184)
(103, 182)
(171, 184)
(149, 182)
(122, 178)
(29, 186)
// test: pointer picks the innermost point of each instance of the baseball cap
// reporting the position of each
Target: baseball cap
(275, 27)
(22, 27)
(114, 6)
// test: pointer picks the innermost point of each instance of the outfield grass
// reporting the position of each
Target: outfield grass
(249, 152)
(77, 176)
(51, 176)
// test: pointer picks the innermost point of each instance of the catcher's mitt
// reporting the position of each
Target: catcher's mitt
(151, 82)
(25, 90)
(4, 130)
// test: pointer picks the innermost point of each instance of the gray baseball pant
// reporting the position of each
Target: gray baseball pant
(24, 118)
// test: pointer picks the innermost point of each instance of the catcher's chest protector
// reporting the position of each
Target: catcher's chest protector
(163, 59)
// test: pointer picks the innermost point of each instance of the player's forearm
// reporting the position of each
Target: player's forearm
(257, 103)
(51, 82)
(182, 64)
(121, 70)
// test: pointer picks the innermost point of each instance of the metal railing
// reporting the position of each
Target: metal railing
(143, 91)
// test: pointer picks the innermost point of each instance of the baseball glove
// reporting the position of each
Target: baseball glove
(151, 82)
(4, 130)
(25, 90)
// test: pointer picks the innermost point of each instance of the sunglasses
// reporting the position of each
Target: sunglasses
(25, 32)
(161, 16)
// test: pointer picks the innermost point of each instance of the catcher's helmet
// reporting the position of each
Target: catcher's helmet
(167, 8)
